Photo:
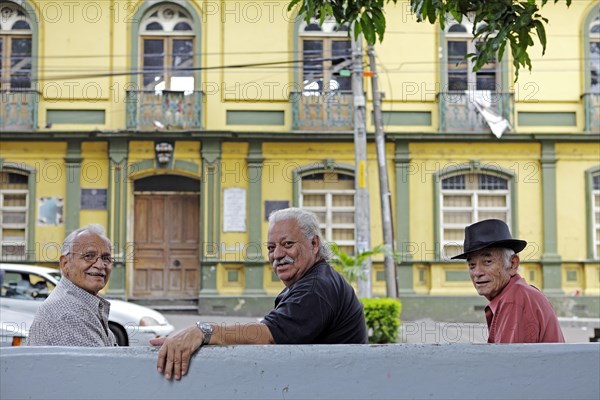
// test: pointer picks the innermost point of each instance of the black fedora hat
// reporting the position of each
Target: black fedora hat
(489, 233)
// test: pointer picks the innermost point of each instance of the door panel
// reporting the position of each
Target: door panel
(166, 245)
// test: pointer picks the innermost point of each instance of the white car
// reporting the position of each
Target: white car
(14, 327)
(24, 287)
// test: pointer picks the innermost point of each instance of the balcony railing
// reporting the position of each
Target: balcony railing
(321, 110)
(151, 109)
(591, 102)
(18, 110)
(458, 112)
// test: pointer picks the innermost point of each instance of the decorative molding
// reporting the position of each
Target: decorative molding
(73, 161)
(210, 202)
(255, 221)
(404, 271)
(295, 137)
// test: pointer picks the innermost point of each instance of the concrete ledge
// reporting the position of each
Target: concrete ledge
(458, 371)
(414, 307)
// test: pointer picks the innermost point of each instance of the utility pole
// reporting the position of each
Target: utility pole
(391, 285)
(362, 218)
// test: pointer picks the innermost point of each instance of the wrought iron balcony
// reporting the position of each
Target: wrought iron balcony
(322, 110)
(591, 103)
(152, 110)
(458, 111)
(19, 109)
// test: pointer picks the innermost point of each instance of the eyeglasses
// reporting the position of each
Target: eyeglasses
(93, 257)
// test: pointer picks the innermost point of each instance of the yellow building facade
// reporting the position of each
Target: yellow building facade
(179, 126)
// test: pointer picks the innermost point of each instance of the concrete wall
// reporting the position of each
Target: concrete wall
(414, 307)
(545, 371)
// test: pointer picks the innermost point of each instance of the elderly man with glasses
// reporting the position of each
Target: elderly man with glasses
(74, 314)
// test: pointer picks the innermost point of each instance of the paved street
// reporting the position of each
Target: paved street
(575, 330)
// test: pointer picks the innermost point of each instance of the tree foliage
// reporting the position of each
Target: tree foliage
(351, 267)
(504, 21)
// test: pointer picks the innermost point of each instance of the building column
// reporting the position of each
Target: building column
(72, 202)
(210, 214)
(405, 269)
(117, 222)
(254, 257)
(208, 278)
(551, 262)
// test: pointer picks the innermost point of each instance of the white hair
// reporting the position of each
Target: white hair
(308, 223)
(507, 256)
(97, 229)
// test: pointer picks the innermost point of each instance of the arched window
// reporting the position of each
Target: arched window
(15, 47)
(467, 198)
(595, 201)
(591, 65)
(167, 43)
(14, 205)
(459, 43)
(594, 57)
(327, 57)
(330, 195)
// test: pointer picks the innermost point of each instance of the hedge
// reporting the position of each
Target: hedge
(383, 319)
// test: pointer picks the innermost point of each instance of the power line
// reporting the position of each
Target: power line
(183, 70)
(276, 66)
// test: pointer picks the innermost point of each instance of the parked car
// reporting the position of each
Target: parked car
(24, 287)
(14, 327)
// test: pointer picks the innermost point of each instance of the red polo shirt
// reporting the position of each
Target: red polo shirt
(522, 314)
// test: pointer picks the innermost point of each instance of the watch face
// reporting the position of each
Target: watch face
(207, 330)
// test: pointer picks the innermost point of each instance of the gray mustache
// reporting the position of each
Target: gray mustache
(286, 260)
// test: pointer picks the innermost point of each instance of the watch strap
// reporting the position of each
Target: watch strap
(207, 331)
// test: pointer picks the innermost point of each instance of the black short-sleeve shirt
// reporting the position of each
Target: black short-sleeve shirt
(321, 308)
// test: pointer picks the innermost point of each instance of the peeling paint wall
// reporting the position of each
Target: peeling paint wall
(544, 371)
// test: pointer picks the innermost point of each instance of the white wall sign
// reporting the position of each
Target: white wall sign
(234, 210)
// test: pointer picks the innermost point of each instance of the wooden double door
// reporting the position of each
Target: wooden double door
(167, 246)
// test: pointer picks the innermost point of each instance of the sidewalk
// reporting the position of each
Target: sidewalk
(575, 330)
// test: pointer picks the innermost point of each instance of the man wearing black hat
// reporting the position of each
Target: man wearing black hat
(518, 312)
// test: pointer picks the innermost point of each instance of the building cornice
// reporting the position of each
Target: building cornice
(289, 136)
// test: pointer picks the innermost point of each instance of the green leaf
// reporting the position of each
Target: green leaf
(368, 29)
(431, 12)
(501, 50)
(357, 29)
(292, 4)
(541, 32)
(424, 9)
(379, 23)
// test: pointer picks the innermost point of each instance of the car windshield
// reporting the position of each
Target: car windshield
(55, 275)
(25, 285)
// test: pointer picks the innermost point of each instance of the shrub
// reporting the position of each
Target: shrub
(383, 319)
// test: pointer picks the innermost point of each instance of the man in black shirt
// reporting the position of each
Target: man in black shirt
(317, 305)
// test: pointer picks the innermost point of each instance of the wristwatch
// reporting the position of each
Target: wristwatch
(207, 330)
